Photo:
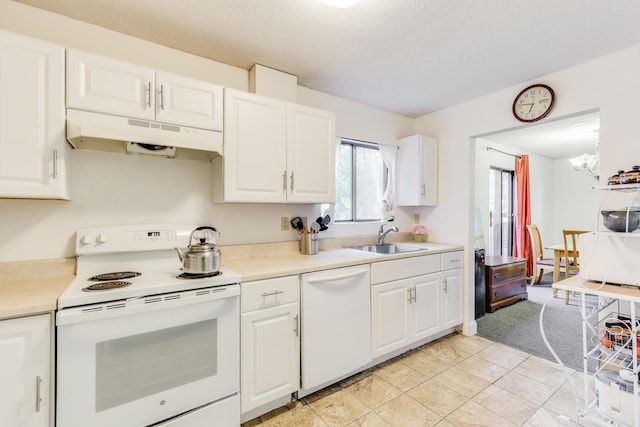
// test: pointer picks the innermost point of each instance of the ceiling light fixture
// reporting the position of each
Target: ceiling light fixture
(341, 3)
(588, 163)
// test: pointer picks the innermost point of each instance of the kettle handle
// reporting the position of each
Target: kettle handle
(204, 227)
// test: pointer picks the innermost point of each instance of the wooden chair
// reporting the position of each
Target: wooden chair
(571, 255)
(540, 263)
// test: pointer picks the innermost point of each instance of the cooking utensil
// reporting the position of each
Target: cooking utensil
(294, 222)
(617, 220)
(201, 257)
(322, 222)
(315, 227)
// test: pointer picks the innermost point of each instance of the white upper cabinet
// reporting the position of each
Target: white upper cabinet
(100, 84)
(310, 154)
(417, 171)
(33, 148)
(189, 102)
(275, 152)
(255, 149)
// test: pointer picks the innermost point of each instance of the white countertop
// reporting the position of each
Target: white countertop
(254, 266)
(32, 287)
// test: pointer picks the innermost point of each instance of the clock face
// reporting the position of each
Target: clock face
(533, 103)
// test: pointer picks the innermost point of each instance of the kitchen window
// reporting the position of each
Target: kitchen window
(360, 181)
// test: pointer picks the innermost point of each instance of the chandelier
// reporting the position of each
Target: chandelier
(588, 163)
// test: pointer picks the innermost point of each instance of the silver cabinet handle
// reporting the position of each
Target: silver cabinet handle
(410, 298)
(445, 285)
(55, 164)
(423, 190)
(296, 328)
(147, 92)
(38, 397)
(284, 181)
(292, 181)
(161, 101)
(268, 294)
(336, 277)
(415, 294)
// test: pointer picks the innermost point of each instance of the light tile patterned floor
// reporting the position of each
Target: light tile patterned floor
(454, 381)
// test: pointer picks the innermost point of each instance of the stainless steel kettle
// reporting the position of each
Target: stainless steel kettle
(201, 257)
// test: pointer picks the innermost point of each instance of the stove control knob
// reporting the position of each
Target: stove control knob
(87, 239)
(103, 238)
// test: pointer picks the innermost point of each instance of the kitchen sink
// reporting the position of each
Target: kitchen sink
(389, 248)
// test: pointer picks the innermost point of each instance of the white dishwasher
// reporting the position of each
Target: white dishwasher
(336, 325)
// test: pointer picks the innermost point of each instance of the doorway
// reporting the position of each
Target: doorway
(501, 192)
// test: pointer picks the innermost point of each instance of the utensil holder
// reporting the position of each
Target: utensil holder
(309, 243)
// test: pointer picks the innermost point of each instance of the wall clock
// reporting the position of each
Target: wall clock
(533, 103)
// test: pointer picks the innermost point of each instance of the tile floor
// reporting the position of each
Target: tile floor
(454, 381)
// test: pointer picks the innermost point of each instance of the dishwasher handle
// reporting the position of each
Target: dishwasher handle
(337, 277)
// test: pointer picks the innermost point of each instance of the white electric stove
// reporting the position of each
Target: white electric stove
(137, 342)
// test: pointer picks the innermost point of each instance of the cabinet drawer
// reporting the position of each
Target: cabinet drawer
(507, 289)
(389, 271)
(504, 273)
(451, 260)
(269, 293)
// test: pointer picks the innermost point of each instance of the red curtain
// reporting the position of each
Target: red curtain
(522, 245)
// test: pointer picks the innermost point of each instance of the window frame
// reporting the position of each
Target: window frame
(385, 173)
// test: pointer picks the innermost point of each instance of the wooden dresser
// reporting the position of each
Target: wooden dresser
(506, 281)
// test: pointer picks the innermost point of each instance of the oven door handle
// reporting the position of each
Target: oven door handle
(109, 310)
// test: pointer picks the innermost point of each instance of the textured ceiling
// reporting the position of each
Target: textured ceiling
(410, 57)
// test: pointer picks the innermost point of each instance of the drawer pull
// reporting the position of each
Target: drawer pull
(38, 398)
(497, 275)
(497, 293)
(268, 294)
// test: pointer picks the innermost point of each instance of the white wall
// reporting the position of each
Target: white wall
(577, 205)
(609, 83)
(111, 189)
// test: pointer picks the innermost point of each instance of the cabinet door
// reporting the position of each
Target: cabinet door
(451, 301)
(255, 140)
(417, 171)
(270, 346)
(389, 317)
(25, 351)
(96, 83)
(425, 309)
(310, 155)
(32, 119)
(184, 101)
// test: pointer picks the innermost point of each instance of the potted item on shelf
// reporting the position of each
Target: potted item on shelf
(419, 232)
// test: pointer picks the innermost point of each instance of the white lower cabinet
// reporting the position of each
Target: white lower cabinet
(404, 312)
(25, 371)
(451, 301)
(270, 343)
(425, 300)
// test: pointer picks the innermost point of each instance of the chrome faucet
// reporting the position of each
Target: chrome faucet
(382, 233)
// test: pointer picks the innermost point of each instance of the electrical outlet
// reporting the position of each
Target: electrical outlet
(284, 224)
(416, 218)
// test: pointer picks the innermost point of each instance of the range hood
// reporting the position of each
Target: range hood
(104, 132)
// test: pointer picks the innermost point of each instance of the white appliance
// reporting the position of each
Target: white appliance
(100, 131)
(336, 325)
(146, 346)
(611, 257)
(614, 393)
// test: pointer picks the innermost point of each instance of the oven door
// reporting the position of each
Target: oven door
(142, 361)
